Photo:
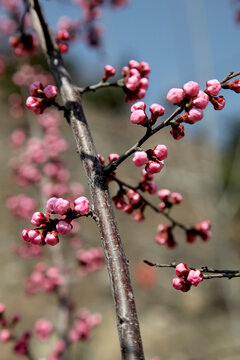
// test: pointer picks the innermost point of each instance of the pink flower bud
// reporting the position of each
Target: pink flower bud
(38, 218)
(63, 227)
(156, 110)
(35, 104)
(218, 102)
(154, 167)
(180, 283)
(152, 188)
(52, 238)
(191, 88)
(62, 206)
(25, 234)
(81, 205)
(175, 96)
(194, 115)
(138, 216)
(51, 205)
(109, 71)
(213, 87)
(2, 308)
(133, 196)
(201, 101)
(63, 35)
(177, 133)
(50, 91)
(138, 117)
(35, 87)
(164, 194)
(195, 277)
(161, 152)
(181, 269)
(132, 83)
(176, 198)
(143, 83)
(140, 158)
(35, 237)
(140, 105)
(134, 64)
(141, 93)
(144, 68)
(112, 157)
(43, 329)
(5, 335)
(233, 85)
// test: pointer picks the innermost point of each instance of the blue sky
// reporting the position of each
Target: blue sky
(181, 39)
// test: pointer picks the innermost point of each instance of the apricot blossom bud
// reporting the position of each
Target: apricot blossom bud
(195, 277)
(213, 87)
(201, 100)
(140, 105)
(164, 194)
(81, 205)
(140, 158)
(180, 283)
(154, 167)
(52, 238)
(175, 96)
(218, 102)
(63, 227)
(109, 71)
(138, 117)
(177, 133)
(156, 110)
(191, 88)
(161, 152)
(181, 269)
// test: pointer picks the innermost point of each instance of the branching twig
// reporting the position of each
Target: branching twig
(148, 203)
(208, 273)
(100, 85)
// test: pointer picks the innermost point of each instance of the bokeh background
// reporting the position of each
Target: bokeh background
(182, 40)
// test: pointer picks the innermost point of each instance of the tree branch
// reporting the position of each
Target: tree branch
(127, 321)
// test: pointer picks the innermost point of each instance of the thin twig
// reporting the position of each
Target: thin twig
(148, 203)
(208, 273)
(101, 84)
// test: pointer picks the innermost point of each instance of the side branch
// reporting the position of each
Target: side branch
(208, 273)
(127, 321)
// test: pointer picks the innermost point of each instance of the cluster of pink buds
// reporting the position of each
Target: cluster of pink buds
(131, 203)
(139, 116)
(164, 236)
(48, 228)
(109, 71)
(135, 80)
(232, 85)
(153, 159)
(62, 38)
(43, 328)
(43, 278)
(21, 205)
(168, 199)
(83, 326)
(194, 101)
(146, 184)
(90, 260)
(186, 278)
(202, 229)
(41, 97)
(7, 324)
(24, 44)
